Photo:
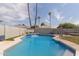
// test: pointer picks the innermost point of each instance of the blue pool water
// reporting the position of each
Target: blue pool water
(37, 45)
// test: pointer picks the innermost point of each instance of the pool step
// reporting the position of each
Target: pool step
(68, 53)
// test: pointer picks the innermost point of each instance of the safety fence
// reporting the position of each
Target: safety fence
(7, 31)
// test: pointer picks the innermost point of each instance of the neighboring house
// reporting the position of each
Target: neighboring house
(21, 26)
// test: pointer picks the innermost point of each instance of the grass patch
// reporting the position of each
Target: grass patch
(74, 39)
(12, 38)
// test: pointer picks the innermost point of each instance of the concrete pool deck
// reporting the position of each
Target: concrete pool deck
(71, 44)
(7, 44)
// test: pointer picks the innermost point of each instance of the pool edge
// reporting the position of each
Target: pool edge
(68, 43)
(11, 43)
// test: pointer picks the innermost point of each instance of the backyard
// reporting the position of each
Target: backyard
(31, 30)
(74, 39)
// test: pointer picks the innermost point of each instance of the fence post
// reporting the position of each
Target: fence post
(4, 32)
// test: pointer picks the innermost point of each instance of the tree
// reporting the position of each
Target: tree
(33, 27)
(42, 24)
(23, 25)
(67, 26)
(78, 26)
(49, 18)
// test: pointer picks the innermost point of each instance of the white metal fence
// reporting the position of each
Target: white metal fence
(11, 31)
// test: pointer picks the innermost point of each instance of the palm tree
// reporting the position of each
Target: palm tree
(29, 14)
(50, 17)
(39, 20)
(43, 24)
(36, 16)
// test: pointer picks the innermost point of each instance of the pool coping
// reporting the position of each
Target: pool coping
(68, 43)
(4, 45)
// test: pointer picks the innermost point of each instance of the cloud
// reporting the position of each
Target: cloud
(63, 4)
(63, 19)
(70, 20)
(76, 22)
(57, 15)
(47, 21)
(13, 11)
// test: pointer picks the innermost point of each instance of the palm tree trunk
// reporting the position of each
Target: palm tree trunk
(39, 22)
(29, 14)
(50, 21)
(36, 16)
(50, 18)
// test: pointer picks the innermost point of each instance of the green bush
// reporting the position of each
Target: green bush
(12, 38)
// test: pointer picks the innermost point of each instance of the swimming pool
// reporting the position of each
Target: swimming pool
(37, 45)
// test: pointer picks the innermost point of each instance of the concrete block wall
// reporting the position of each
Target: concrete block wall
(56, 31)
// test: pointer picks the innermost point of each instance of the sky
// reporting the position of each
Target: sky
(16, 13)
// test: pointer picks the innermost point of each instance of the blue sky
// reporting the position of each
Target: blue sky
(16, 13)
